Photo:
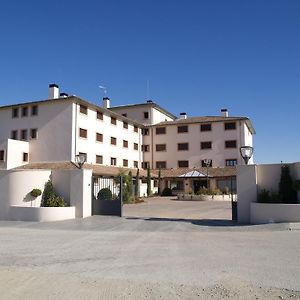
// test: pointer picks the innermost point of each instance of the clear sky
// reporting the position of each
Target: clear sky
(198, 56)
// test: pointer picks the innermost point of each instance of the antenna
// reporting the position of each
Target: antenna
(148, 90)
(103, 88)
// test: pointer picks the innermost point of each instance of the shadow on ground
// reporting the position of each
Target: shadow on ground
(202, 222)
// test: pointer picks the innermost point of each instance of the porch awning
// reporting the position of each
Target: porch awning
(193, 173)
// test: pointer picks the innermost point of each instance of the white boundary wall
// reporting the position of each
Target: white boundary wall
(251, 179)
(17, 204)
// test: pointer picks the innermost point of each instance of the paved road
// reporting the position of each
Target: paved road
(147, 258)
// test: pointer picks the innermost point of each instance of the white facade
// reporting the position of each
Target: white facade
(58, 129)
(145, 113)
(195, 151)
(54, 133)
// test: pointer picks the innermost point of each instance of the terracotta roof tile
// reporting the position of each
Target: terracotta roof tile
(97, 169)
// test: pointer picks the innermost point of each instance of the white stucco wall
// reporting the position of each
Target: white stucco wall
(262, 213)
(251, 180)
(90, 146)
(80, 192)
(194, 137)
(137, 113)
(268, 177)
(246, 191)
(15, 188)
(13, 153)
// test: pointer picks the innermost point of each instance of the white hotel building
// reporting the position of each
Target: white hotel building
(131, 136)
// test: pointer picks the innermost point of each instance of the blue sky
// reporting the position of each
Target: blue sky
(198, 56)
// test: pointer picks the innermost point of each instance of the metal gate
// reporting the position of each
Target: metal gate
(107, 195)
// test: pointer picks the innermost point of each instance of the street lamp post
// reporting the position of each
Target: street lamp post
(207, 163)
(80, 159)
(246, 152)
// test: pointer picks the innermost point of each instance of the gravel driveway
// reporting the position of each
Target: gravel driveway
(148, 258)
(170, 207)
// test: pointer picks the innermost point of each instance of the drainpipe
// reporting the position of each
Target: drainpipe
(75, 129)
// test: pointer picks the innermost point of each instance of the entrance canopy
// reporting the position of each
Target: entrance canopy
(193, 174)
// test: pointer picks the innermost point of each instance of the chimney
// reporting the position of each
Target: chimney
(63, 95)
(53, 91)
(149, 101)
(224, 112)
(106, 102)
(183, 115)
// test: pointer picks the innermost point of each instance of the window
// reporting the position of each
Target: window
(24, 135)
(203, 164)
(24, 111)
(161, 147)
(135, 146)
(83, 133)
(125, 125)
(161, 165)
(155, 183)
(83, 109)
(160, 130)
(113, 161)
(14, 135)
(230, 162)
(124, 115)
(205, 127)
(183, 164)
(99, 137)
(99, 115)
(205, 145)
(135, 164)
(125, 162)
(230, 144)
(33, 133)
(113, 120)
(1, 155)
(99, 159)
(145, 164)
(146, 115)
(182, 129)
(145, 131)
(113, 141)
(125, 144)
(145, 148)
(183, 146)
(229, 125)
(135, 128)
(15, 113)
(34, 110)
(25, 157)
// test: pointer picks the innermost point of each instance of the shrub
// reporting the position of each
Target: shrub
(55, 201)
(166, 192)
(104, 194)
(35, 193)
(49, 198)
(287, 192)
(265, 196)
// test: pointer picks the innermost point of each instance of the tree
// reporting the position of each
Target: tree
(127, 186)
(137, 184)
(159, 179)
(287, 193)
(148, 182)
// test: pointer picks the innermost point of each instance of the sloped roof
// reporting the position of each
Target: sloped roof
(207, 119)
(193, 173)
(212, 172)
(97, 169)
(76, 100)
(150, 104)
